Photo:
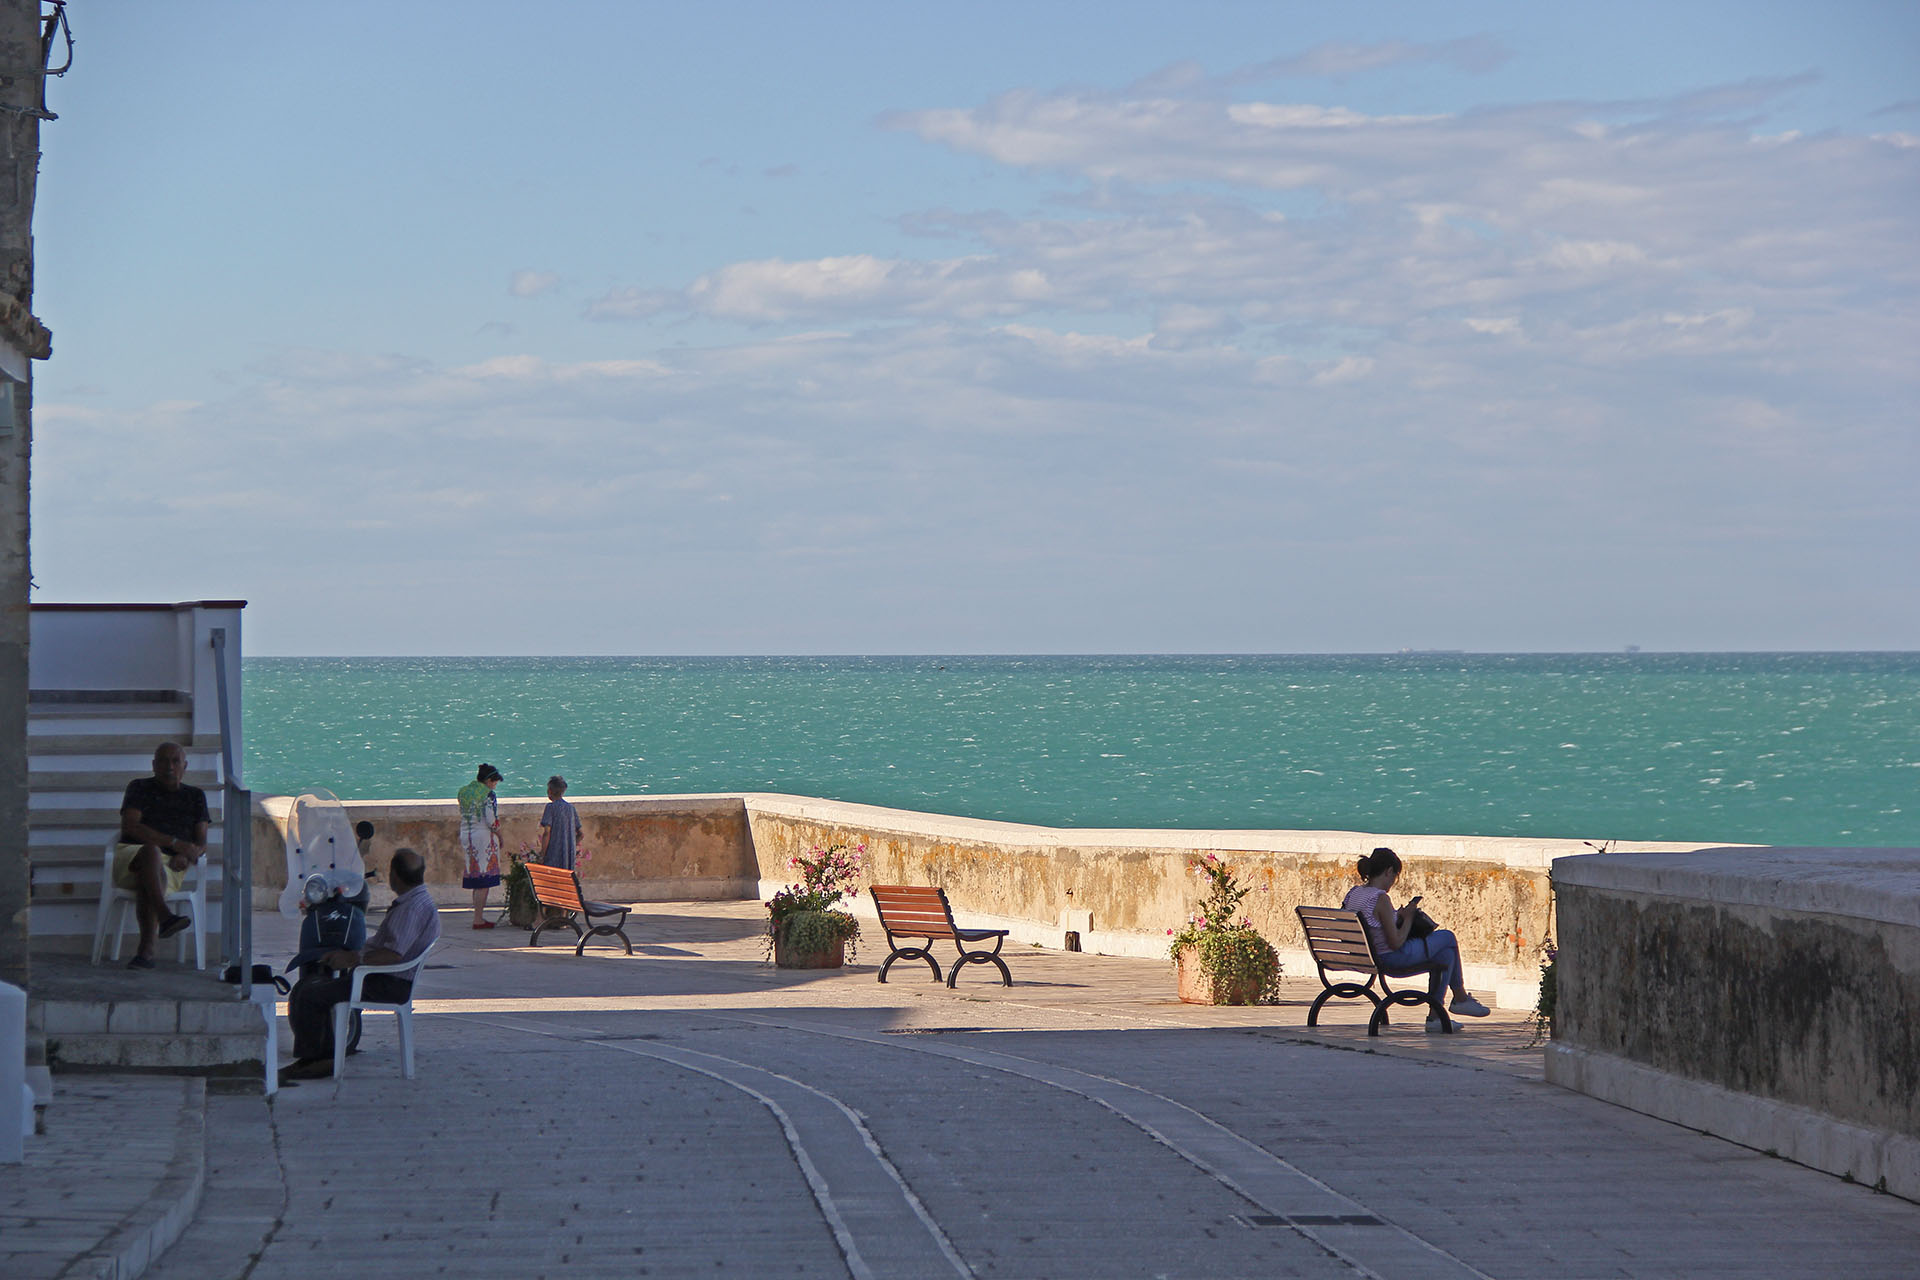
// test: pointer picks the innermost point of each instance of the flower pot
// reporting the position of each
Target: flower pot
(522, 907)
(1196, 987)
(785, 957)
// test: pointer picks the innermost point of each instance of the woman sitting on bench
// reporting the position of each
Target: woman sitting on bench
(1398, 951)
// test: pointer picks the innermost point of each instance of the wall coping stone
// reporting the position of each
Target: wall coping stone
(1520, 852)
(1864, 884)
(1526, 853)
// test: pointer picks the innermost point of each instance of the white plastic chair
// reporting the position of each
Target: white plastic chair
(402, 1012)
(118, 909)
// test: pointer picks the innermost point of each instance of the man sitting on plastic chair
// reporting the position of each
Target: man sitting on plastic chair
(163, 831)
(411, 926)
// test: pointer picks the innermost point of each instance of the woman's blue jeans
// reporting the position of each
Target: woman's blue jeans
(1439, 947)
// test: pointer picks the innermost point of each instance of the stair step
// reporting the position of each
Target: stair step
(153, 730)
(90, 852)
(73, 917)
(100, 810)
(149, 1017)
(43, 779)
(84, 868)
(222, 1054)
(37, 698)
(59, 890)
(49, 739)
(47, 846)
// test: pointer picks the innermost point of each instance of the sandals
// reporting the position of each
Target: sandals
(484, 924)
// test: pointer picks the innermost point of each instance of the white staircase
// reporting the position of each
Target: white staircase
(83, 749)
(107, 685)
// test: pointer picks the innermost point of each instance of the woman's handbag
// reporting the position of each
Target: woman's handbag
(1420, 924)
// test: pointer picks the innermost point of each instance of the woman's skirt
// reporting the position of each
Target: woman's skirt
(482, 846)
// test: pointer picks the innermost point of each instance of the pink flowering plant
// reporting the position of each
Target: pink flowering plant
(804, 914)
(1232, 953)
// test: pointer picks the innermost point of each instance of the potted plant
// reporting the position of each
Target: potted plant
(522, 906)
(1222, 962)
(804, 931)
(1548, 1002)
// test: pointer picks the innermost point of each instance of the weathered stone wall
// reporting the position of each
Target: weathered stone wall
(22, 337)
(1771, 996)
(1121, 890)
(1136, 886)
(644, 847)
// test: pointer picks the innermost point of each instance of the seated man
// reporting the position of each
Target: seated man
(412, 925)
(163, 831)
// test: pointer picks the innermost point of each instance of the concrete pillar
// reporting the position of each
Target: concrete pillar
(22, 338)
(16, 1099)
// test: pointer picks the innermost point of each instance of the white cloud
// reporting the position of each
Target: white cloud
(1593, 255)
(1237, 324)
(531, 284)
(1273, 115)
(632, 304)
(1347, 369)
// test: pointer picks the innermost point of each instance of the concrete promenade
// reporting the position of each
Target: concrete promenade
(690, 1111)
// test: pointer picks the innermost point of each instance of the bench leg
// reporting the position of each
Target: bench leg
(911, 953)
(1343, 990)
(979, 957)
(549, 919)
(603, 931)
(1409, 998)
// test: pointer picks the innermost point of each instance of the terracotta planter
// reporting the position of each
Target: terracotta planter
(785, 957)
(1197, 988)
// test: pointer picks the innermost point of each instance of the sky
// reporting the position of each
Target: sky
(489, 328)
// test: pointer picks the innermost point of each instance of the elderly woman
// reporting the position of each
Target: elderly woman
(480, 839)
(1399, 952)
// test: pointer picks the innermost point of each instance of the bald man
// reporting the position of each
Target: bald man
(163, 831)
(412, 925)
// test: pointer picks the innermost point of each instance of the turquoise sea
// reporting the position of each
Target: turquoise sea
(1768, 748)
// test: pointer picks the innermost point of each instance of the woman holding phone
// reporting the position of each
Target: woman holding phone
(1394, 944)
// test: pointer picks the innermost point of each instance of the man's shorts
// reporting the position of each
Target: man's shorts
(123, 869)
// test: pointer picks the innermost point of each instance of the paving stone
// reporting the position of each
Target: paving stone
(690, 1111)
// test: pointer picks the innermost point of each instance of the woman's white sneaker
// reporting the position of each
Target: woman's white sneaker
(1435, 1027)
(1467, 1006)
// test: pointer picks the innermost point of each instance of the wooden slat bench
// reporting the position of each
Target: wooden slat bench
(916, 911)
(558, 892)
(1339, 941)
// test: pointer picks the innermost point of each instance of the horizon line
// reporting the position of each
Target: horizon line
(1623, 652)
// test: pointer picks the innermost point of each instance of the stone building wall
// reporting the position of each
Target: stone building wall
(22, 92)
(1771, 996)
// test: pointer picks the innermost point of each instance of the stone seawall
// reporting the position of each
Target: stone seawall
(645, 848)
(1770, 996)
(1121, 890)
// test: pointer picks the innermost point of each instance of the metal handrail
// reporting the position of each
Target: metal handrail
(236, 853)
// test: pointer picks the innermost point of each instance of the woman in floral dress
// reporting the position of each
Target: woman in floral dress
(480, 839)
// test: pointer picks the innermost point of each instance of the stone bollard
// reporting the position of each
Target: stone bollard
(16, 1099)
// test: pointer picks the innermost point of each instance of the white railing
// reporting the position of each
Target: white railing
(236, 842)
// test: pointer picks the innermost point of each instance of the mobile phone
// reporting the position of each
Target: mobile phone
(1413, 902)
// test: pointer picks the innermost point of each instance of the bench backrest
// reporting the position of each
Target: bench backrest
(1338, 939)
(555, 887)
(913, 911)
